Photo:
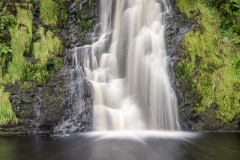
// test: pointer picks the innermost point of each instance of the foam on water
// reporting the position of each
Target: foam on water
(140, 135)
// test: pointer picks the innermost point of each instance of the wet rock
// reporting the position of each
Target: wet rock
(188, 96)
(83, 16)
(14, 131)
(77, 116)
(177, 26)
(41, 107)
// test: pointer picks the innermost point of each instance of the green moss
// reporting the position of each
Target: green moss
(48, 44)
(14, 65)
(45, 49)
(51, 13)
(7, 115)
(211, 62)
(5, 56)
(37, 73)
(21, 37)
(85, 25)
(12, 55)
(90, 2)
(27, 85)
(58, 63)
(89, 23)
(20, 58)
(186, 6)
(48, 12)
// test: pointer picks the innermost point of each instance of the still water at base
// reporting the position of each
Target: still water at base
(123, 146)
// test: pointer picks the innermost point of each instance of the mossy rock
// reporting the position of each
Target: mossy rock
(52, 13)
(208, 69)
(14, 131)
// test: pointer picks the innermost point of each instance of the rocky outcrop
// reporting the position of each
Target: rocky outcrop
(83, 16)
(177, 26)
(200, 107)
(43, 99)
(38, 108)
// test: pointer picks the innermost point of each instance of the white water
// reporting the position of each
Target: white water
(140, 136)
(132, 89)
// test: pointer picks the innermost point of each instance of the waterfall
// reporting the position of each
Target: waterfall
(128, 67)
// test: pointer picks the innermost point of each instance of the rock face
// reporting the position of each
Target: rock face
(189, 96)
(178, 26)
(49, 106)
(83, 16)
(39, 108)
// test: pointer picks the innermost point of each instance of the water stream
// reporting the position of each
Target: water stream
(128, 67)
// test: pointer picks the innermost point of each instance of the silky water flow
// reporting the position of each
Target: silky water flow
(128, 68)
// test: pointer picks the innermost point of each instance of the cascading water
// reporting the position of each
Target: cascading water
(128, 68)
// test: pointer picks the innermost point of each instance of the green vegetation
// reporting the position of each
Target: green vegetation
(22, 59)
(44, 50)
(212, 61)
(6, 23)
(48, 11)
(30, 48)
(46, 45)
(90, 2)
(58, 63)
(230, 18)
(6, 113)
(85, 25)
(51, 12)
(21, 37)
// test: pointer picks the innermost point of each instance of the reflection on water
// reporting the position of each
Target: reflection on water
(123, 146)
